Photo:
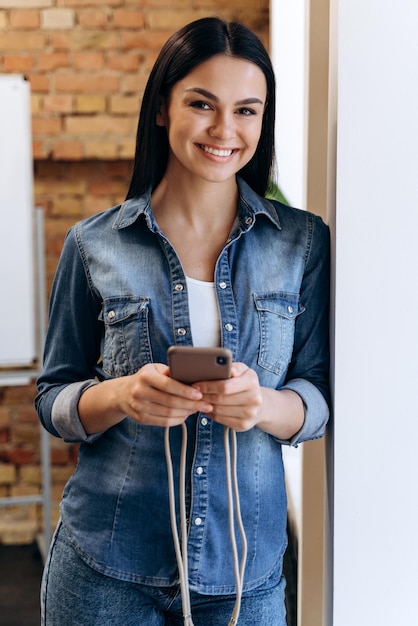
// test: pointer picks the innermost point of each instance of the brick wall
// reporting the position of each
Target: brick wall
(87, 63)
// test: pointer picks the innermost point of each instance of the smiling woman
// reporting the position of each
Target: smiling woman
(128, 286)
(217, 110)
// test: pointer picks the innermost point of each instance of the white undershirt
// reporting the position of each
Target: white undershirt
(204, 314)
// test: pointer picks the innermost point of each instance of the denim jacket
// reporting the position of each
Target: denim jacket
(118, 301)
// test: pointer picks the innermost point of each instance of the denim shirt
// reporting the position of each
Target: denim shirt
(118, 301)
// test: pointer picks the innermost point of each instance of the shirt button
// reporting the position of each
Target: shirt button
(179, 287)
(111, 315)
(249, 220)
(181, 332)
(222, 285)
(228, 327)
(199, 470)
(198, 521)
(204, 421)
(290, 309)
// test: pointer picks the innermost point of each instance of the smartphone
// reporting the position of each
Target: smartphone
(190, 364)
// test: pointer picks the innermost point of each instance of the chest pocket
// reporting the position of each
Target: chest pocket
(126, 344)
(277, 313)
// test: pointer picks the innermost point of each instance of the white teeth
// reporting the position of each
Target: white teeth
(221, 153)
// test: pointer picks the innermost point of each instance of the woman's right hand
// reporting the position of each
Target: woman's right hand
(149, 396)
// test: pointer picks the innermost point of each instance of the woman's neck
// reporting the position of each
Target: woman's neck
(197, 224)
(197, 204)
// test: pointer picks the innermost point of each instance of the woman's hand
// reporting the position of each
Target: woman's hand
(149, 396)
(241, 403)
(236, 401)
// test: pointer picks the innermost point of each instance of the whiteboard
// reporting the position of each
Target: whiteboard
(17, 259)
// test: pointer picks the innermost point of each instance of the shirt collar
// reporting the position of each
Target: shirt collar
(251, 205)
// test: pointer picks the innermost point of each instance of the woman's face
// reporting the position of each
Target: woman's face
(213, 118)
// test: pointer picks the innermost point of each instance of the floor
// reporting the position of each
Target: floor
(20, 579)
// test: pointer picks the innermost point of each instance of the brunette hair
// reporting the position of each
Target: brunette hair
(188, 47)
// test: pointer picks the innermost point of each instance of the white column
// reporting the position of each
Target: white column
(375, 576)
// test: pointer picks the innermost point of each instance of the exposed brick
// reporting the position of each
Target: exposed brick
(84, 40)
(90, 104)
(60, 456)
(93, 18)
(19, 395)
(24, 19)
(7, 474)
(39, 83)
(39, 149)
(169, 19)
(46, 126)
(128, 18)
(143, 41)
(58, 104)
(105, 125)
(17, 63)
(58, 19)
(26, 434)
(19, 455)
(67, 151)
(88, 60)
(17, 532)
(166, 4)
(21, 40)
(25, 415)
(24, 4)
(20, 489)
(61, 473)
(234, 4)
(90, 3)
(52, 60)
(4, 434)
(133, 84)
(31, 474)
(127, 62)
(87, 83)
(101, 149)
(127, 148)
(124, 104)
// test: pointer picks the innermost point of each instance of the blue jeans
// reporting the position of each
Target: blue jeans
(73, 594)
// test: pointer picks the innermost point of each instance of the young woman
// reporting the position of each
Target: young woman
(195, 256)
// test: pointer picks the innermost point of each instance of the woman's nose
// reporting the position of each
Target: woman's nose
(223, 126)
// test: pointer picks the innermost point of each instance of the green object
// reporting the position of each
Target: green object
(274, 193)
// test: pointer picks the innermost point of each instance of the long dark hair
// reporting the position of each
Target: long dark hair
(188, 47)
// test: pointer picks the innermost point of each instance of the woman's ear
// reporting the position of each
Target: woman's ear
(161, 118)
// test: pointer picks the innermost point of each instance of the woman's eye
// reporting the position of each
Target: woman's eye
(198, 104)
(246, 111)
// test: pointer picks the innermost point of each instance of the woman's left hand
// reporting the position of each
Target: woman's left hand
(237, 400)
(241, 403)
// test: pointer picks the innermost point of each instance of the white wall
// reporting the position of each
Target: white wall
(376, 316)
(289, 54)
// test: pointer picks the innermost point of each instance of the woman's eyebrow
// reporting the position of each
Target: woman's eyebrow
(211, 96)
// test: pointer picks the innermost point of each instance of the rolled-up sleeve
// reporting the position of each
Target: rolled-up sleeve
(64, 414)
(72, 347)
(316, 411)
(308, 372)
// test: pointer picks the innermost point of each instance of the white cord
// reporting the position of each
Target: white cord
(181, 560)
(233, 494)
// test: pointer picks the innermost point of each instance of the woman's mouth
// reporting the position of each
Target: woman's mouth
(216, 151)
